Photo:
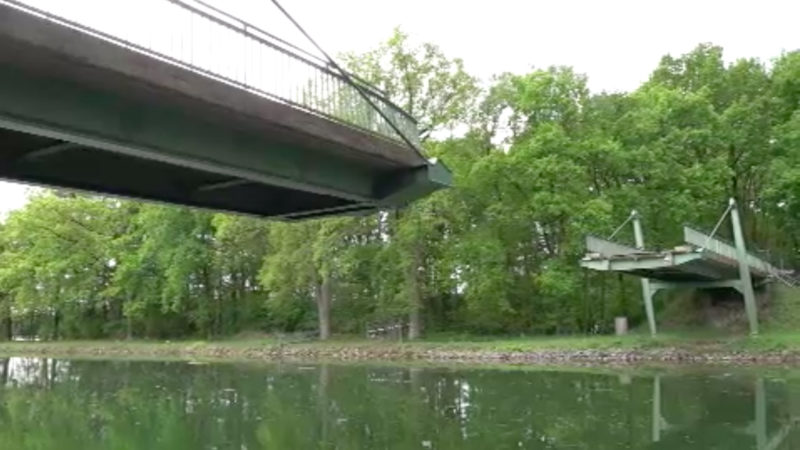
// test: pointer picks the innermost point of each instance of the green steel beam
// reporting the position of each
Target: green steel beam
(711, 268)
(646, 292)
(413, 184)
(642, 263)
(713, 245)
(607, 248)
(61, 109)
(744, 270)
(656, 286)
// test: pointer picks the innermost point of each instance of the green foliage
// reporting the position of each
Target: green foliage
(542, 162)
(784, 309)
(119, 405)
(434, 89)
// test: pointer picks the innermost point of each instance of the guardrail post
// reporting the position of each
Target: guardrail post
(744, 270)
(647, 293)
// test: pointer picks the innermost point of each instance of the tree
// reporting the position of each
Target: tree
(6, 300)
(429, 86)
(57, 260)
(438, 92)
(302, 266)
(239, 247)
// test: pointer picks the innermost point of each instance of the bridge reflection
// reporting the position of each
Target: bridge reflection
(766, 433)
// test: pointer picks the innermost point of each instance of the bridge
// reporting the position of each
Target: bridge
(703, 261)
(177, 101)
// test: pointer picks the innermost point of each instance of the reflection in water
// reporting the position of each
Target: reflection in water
(765, 435)
(658, 420)
(58, 404)
(31, 371)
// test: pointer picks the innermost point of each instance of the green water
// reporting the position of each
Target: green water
(70, 405)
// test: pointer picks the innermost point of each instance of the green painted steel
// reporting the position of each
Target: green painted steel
(744, 271)
(656, 286)
(208, 40)
(653, 262)
(702, 240)
(605, 247)
(646, 292)
(82, 111)
(115, 123)
(705, 263)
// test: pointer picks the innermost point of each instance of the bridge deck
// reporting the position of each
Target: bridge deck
(704, 262)
(83, 111)
(703, 259)
(670, 266)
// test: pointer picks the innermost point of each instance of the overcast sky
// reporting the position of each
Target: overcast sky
(615, 42)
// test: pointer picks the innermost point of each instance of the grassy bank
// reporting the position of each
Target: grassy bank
(770, 348)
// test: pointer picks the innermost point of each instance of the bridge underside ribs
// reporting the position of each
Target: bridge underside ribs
(39, 160)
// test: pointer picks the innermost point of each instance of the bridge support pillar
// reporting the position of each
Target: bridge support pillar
(744, 271)
(647, 295)
(647, 292)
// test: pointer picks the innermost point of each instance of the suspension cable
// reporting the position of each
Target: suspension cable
(716, 227)
(349, 79)
(631, 216)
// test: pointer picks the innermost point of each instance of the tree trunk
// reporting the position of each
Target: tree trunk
(324, 307)
(56, 323)
(51, 373)
(415, 316)
(4, 371)
(8, 323)
(237, 300)
(415, 323)
(44, 365)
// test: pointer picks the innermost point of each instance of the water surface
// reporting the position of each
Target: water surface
(69, 405)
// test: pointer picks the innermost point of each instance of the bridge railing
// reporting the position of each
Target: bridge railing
(199, 37)
(726, 249)
(607, 248)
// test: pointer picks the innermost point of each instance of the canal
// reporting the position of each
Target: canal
(86, 404)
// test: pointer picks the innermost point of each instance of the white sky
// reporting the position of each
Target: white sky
(615, 42)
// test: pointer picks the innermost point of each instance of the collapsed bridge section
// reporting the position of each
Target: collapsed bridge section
(702, 261)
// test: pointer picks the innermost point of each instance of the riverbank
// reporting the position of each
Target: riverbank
(768, 349)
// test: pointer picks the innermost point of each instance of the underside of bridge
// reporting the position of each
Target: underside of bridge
(81, 112)
(46, 161)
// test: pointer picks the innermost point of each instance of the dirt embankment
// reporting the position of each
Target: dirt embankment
(397, 352)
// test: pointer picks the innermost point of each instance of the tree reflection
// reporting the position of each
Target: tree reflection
(47, 404)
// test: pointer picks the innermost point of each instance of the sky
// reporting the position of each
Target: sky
(616, 43)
